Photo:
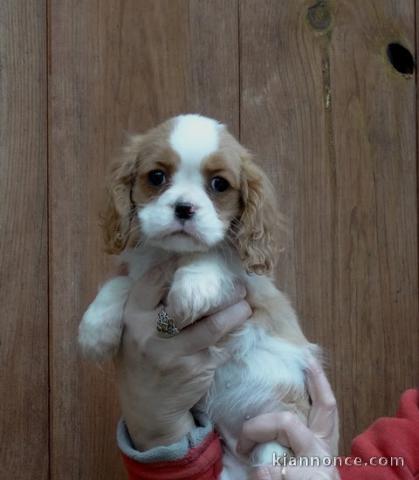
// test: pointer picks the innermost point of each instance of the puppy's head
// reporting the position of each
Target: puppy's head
(187, 186)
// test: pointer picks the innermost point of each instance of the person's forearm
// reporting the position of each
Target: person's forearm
(160, 379)
(147, 433)
(147, 425)
(197, 456)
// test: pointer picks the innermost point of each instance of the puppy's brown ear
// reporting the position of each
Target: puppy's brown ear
(259, 220)
(118, 214)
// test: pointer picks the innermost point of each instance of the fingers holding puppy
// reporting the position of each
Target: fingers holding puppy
(202, 334)
(189, 300)
(318, 439)
(177, 371)
(208, 331)
(199, 337)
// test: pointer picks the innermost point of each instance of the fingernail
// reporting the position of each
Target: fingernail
(264, 473)
(242, 291)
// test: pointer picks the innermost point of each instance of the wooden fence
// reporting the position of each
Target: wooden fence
(312, 87)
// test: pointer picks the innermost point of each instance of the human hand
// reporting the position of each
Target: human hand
(317, 440)
(161, 379)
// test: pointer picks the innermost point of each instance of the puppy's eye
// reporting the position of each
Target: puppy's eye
(219, 184)
(157, 177)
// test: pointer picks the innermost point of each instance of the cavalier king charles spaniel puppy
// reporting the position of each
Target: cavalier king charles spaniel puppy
(187, 190)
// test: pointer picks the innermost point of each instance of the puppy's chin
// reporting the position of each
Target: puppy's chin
(180, 243)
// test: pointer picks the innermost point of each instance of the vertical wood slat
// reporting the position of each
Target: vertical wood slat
(376, 232)
(335, 125)
(347, 193)
(23, 241)
(115, 66)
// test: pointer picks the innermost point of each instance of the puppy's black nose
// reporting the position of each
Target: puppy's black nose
(184, 211)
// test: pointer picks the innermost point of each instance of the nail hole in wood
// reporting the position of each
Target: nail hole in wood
(400, 58)
(319, 15)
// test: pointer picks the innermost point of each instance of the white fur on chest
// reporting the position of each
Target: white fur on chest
(262, 370)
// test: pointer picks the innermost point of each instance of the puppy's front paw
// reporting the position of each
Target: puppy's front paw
(100, 332)
(101, 326)
(271, 453)
(192, 296)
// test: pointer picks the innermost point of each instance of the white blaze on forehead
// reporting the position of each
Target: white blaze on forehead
(194, 137)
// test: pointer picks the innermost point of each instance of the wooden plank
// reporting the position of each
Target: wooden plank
(115, 66)
(334, 124)
(376, 209)
(23, 241)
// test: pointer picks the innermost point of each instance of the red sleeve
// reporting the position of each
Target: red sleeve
(388, 438)
(203, 462)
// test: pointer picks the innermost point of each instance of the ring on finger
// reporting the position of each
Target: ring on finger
(165, 325)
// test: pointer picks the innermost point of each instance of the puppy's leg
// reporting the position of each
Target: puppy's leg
(269, 454)
(198, 287)
(101, 326)
(272, 309)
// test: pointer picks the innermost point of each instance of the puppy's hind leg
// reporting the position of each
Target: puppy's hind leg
(101, 326)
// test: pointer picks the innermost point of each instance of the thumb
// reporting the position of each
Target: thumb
(148, 292)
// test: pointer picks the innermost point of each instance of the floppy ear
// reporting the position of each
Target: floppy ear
(118, 214)
(259, 220)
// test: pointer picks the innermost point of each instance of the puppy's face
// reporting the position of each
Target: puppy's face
(186, 186)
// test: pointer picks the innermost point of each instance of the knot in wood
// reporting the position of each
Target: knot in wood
(319, 15)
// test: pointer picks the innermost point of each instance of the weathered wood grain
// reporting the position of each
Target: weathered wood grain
(320, 104)
(115, 66)
(23, 242)
(374, 129)
(334, 124)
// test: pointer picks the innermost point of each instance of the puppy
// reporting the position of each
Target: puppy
(188, 191)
